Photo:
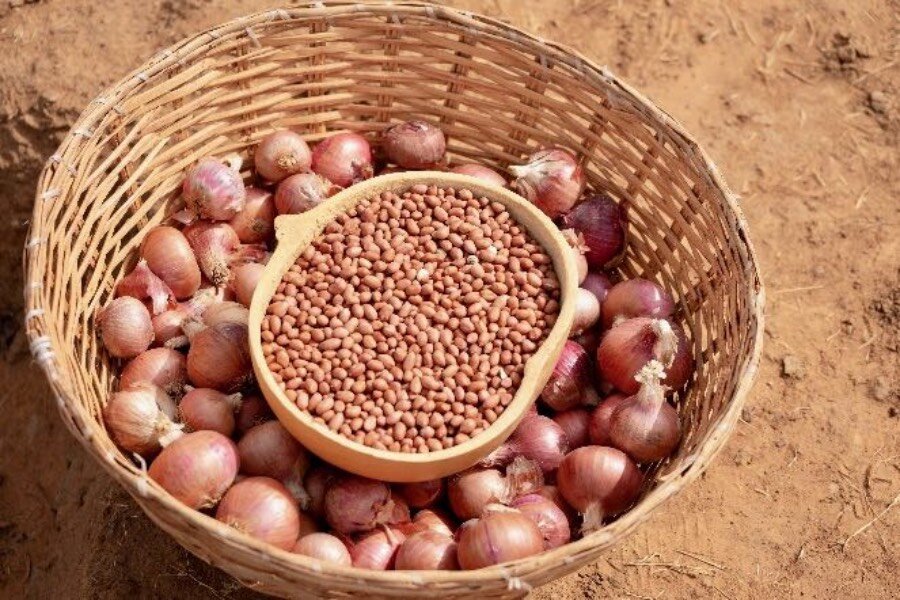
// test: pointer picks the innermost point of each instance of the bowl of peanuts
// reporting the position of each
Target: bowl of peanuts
(401, 330)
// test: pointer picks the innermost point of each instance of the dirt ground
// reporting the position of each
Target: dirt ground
(798, 100)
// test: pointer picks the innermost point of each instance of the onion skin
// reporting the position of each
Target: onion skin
(140, 418)
(599, 482)
(433, 519)
(549, 518)
(682, 365)
(205, 409)
(629, 346)
(590, 341)
(212, 190)
(552, 180)
(343, 159)
(169, 255)
(225, 312)
(197, 468)
(645, 426)
(551, 492)
(414, 144)
(636, 298)
(143, 284)
(564, 389)
(587, 311)
(302, 192)
(377, 549)
(325, 547)
(425, 551)
(576, 243)
(218, 249)
(161, 367)
(281, 154)
(356, 504)
(253, 411)
(496, 538)
(262, 508)
(536, 438)
(599, 285)
(219, 358)
(471, 491)
(422, 494)
(603, 224)
(246, 278)
(481, 172)
(125, 327)
(256, 223)
(167, 326)
(575, 423)
(600, 419)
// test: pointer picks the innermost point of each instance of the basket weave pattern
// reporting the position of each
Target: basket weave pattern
(498, 93)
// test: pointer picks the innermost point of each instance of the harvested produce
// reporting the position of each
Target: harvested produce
(219, 357)
(414, 145)
(549, 518)
(598, 482)
(213, 190)
(256, 223)
(161, 367)
(205, 409)
(246, 278)
(427, 550)
(354, 504)
(302, 192)
(281, 154)
(376, 549)
(197, 468)
(126, 327)
(598, 428)
(575, 423)
(537, 438)
(645, 426)
(552, 179)
(141, 418)
(481, 172)
(432, 519)
(170, 256)
(630, 345)
(343, 159)
(422, 494)
(218, 249)
(143, 284)
(501, 534)
(569, 379)
(411, 376)
(261, 507)
(270, 451)
(636, 298)
(470, 492)
(602, 224)
(324, 547)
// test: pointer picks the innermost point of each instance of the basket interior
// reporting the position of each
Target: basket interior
(498, 96)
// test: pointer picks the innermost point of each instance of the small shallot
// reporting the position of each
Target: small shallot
(256, 223)
(549, 518)
(282, 154)
(219, 358)
(317, 481)
(602, 223)
(645, 426)
(502, 534)
(167, 326)
(253, 411)
(205, 409)
(246, 278)
(423, 493)
(218, 249)
(481, 172)
(269, 450)
(169, 255)
(598, 284)
(414, 145)
(598, 482)
(343, 159)
(162, 367)
(262, 508)
(354, 504)
(143, 284)
(302, 192)
(537, 438)
(324, 547)
(197, 468)
(213, 190)
(552, 180)
(587, 311)
(141, 418)
(575, 423)
(377, 549)
(636, 298)
(425, 551)
(598, 428)
(630, 345)
(565, 388)
(431, 519)
(471, 491)
(125, 327)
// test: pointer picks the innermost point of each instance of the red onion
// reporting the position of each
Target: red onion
(270, 450)
(636, 298)
(552, 179)
(246, 278)
(433, 519)
(497, 537)
(587, 311)
(645, 426)
(603, 224)
(225, 312)
(574, 423)
(354, 504)
(205, 409)
(343, 159)
(600, 419)
(167, 326)
(599, 285)
(162, 367)
(262, 508)
(324, 547)
(537, 438)
(549, 518)
(141, 418)
(218, 249)
(253, 411)
(169, 255)
(414, 145)
(377, 549)
(576, 243)
(256, 223)
(302, 192)
(317, 481)
(551, 493)
(425, 551)
(219, 358)
(197, 468)
(212, 190)
(282, 154)
(598, 482)
(423, 493)
(481, 172)
(589, 340)
(143, 284)
(682, 365)
(630, 345)
(125, 327)
(565, 388)
(471, 491)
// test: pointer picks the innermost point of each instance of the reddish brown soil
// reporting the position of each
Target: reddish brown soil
(799, 101)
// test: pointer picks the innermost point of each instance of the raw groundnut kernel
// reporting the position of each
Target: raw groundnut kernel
(407, 323)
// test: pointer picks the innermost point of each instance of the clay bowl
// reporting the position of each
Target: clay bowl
(295, 232)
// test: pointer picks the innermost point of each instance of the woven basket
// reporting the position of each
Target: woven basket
(499, 93)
